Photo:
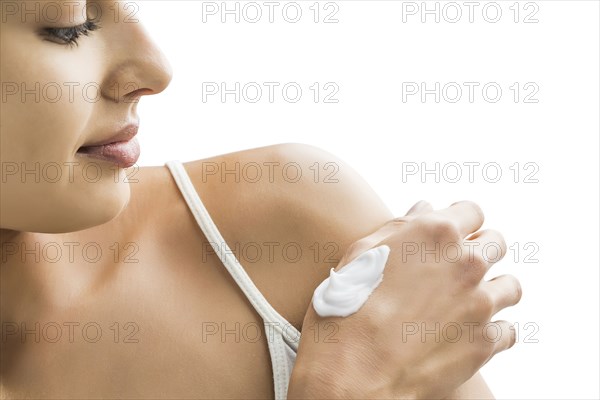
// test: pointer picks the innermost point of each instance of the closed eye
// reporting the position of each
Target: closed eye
(69, 35)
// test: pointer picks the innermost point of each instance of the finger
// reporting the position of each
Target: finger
(419, 208)
(379, 235)
(376, 237)
(488, 243)
(503, 334)
(504, 290)
(364, 244)
(466, 215)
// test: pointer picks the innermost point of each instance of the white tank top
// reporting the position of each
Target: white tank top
(282, 337)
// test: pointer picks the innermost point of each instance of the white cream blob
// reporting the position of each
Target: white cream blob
(345, 291)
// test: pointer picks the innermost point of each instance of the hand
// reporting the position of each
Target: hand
(426, 328)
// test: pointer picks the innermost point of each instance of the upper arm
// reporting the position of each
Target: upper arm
(325, 212)
(335, 199)
(288, 212)
(322, 216)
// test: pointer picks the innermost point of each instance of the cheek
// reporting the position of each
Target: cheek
(49, 104)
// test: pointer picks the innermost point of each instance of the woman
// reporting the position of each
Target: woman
(109, 286)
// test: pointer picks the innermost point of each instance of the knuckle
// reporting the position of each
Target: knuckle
(508, 336)
(438, 227)
(473, 269)
(469, 277)
(488, 348)
(486, 306)
(482, 305)
(477, 263)
(484, 351)
(475, 208)
(446, 229)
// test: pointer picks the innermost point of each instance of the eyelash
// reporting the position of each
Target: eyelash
(69, 36)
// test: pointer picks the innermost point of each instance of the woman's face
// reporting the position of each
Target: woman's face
(57, 96)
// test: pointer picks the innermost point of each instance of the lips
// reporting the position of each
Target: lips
(123, 154)
(122, 149)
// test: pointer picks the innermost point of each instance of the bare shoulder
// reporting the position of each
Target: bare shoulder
(288, 212)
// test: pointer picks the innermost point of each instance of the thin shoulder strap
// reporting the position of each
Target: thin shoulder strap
(256, 298)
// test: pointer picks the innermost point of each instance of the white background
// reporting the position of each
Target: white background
(369, 53)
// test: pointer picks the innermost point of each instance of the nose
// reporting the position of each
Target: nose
(138, 66)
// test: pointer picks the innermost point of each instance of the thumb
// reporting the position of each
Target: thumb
(372, 240)
(422, 207)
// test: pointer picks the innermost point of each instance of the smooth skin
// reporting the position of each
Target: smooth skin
(156, 286)
(419, 292)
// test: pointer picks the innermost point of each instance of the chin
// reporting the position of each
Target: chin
(77, 208)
